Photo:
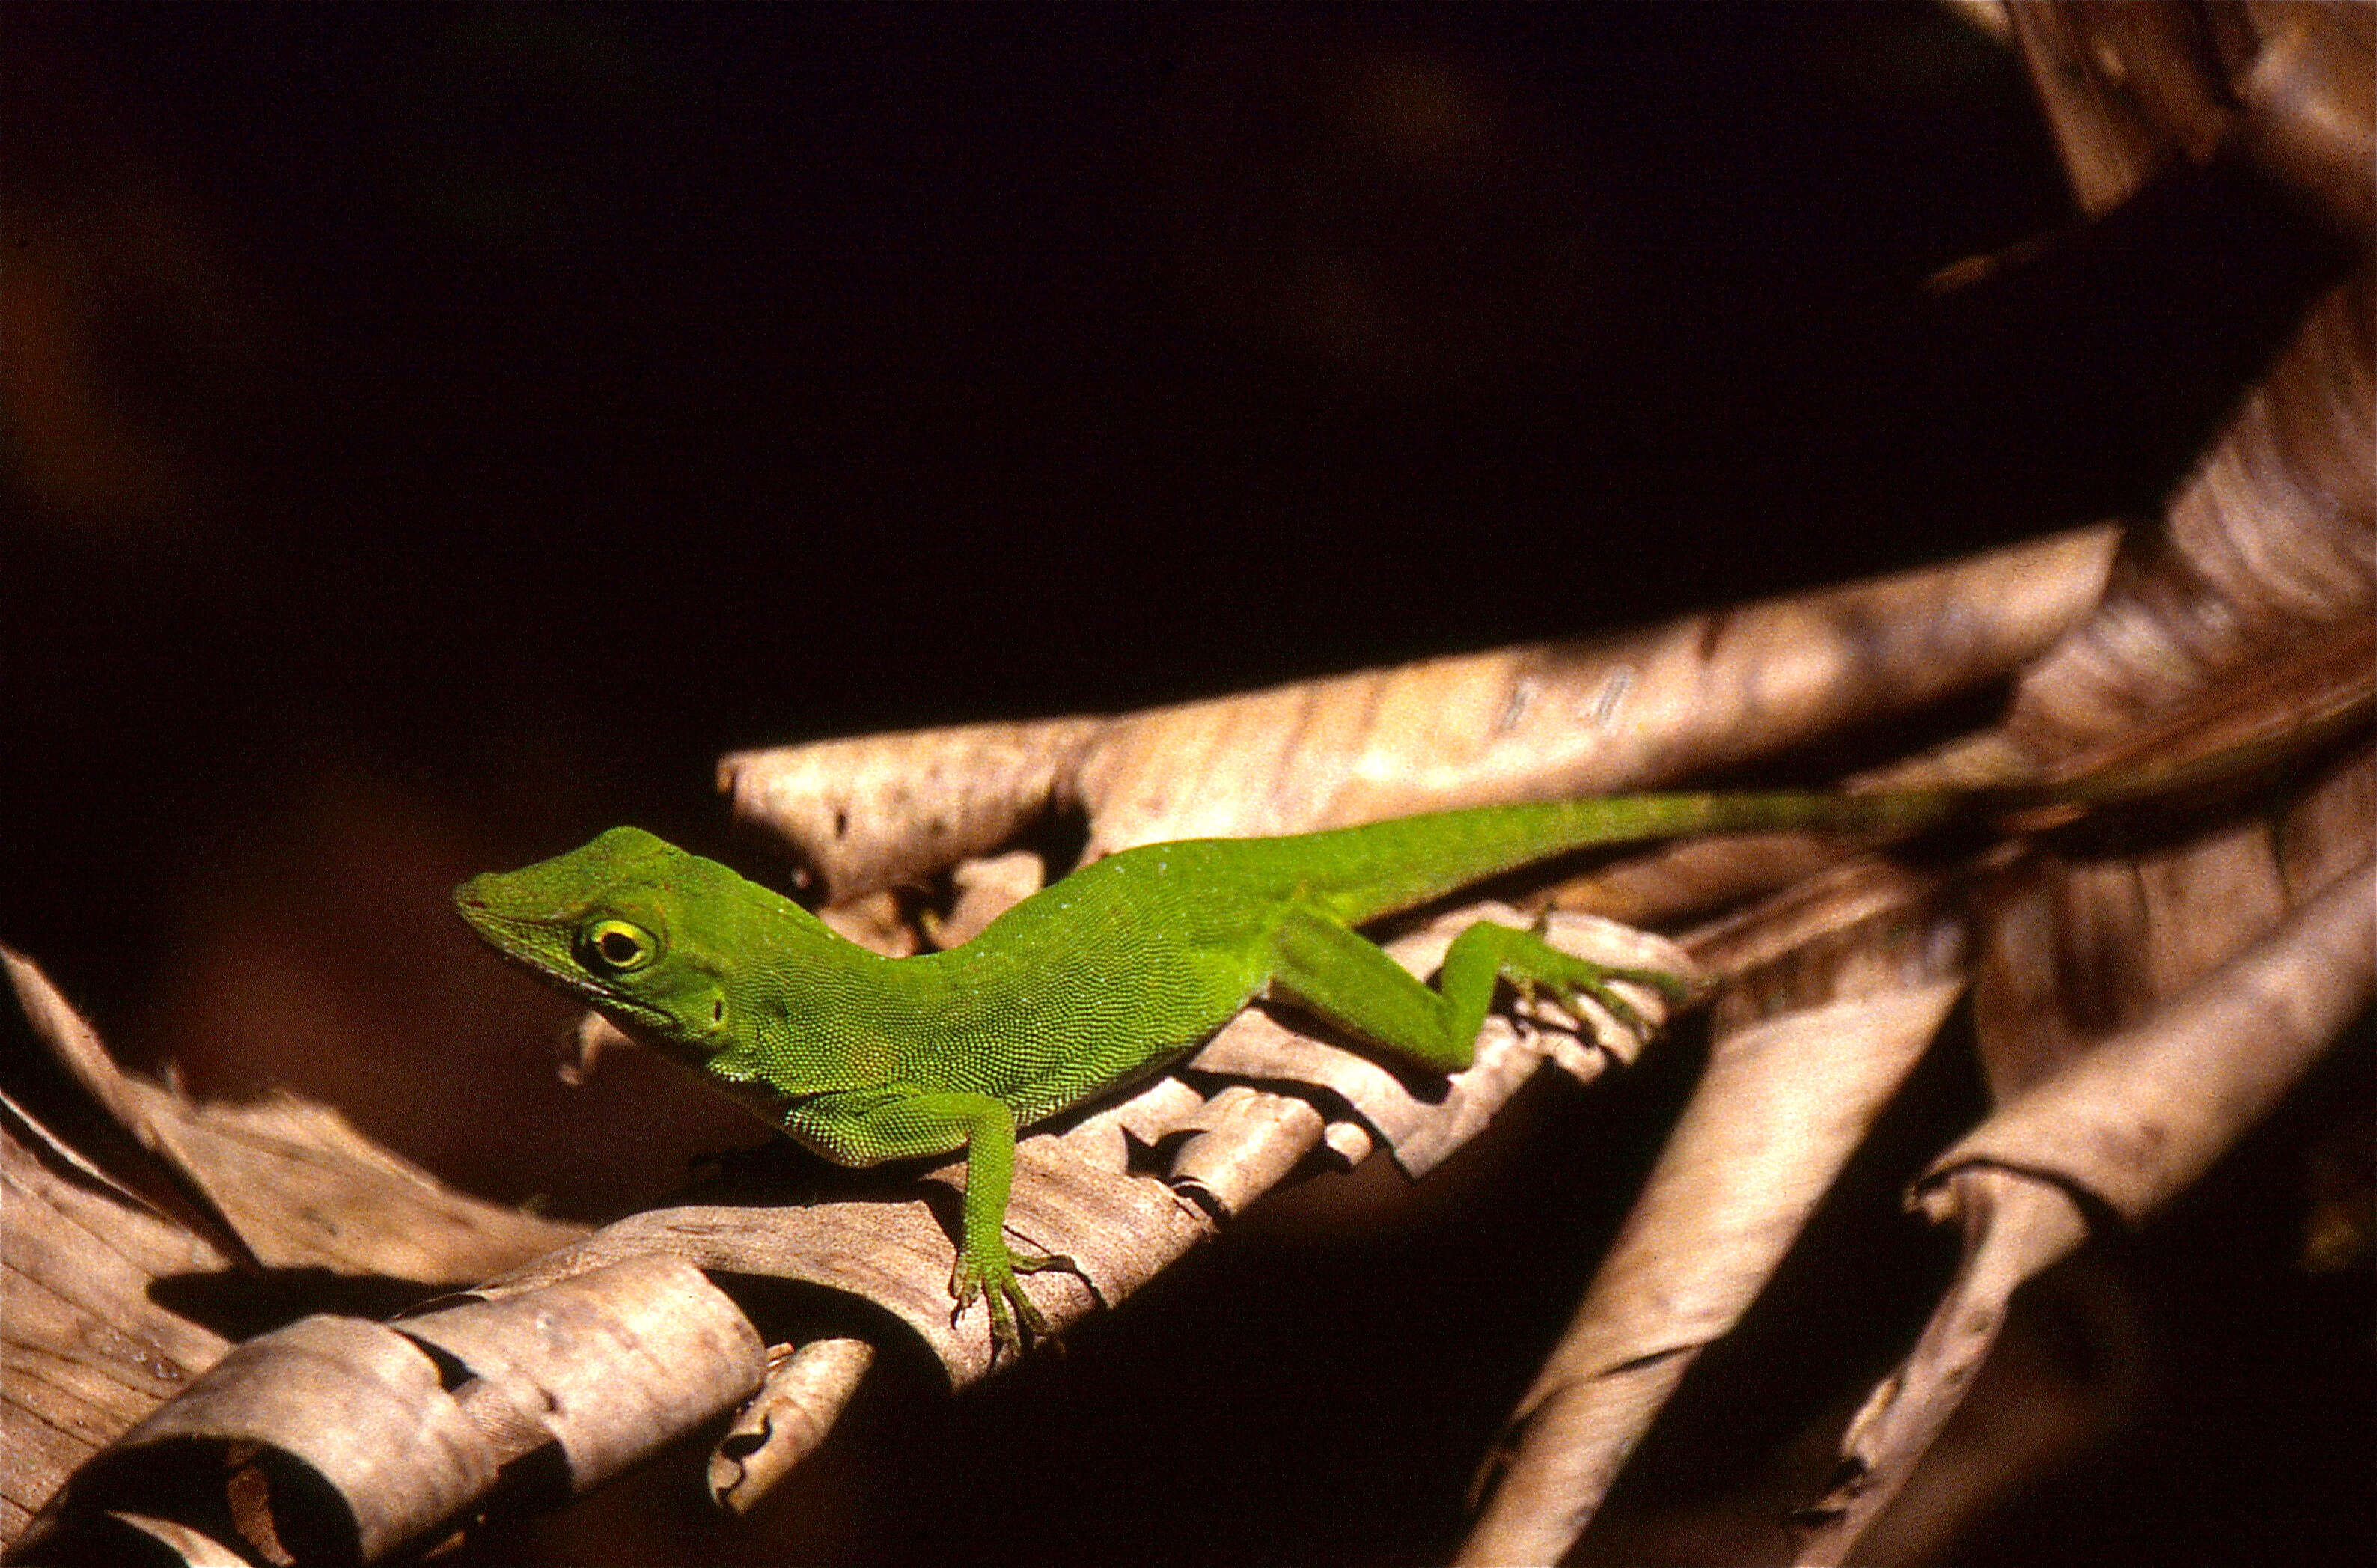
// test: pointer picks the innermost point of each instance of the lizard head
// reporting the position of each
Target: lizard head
(633, 925)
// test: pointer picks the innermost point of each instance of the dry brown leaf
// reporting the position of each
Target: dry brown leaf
(340, 1440)
(86, 1348)
(786, 1421)
(1808, 1048)
(2134, 1119)
(2140, 1008)
(607, 1371)
(345, 1438)
(1530, 722)
(2130, 1124)
(1610, 1376)
(892, 1248)
(340, 1437)
(217, 1190)
(2015, 1227)
(290, 1180)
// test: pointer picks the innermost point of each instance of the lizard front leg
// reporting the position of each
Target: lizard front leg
(896, 1123)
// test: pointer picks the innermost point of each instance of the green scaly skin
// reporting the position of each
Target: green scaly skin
(1105, 978)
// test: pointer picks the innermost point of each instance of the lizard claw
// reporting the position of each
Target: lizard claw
(1015, 1318)
(1032, 1263)
(1572, 998)
(1595, 982)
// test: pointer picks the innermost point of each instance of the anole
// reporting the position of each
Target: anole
(1105, 977)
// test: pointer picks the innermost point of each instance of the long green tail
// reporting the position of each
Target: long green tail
(1362, 873)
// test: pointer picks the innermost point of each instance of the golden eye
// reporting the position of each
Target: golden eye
(616, 945)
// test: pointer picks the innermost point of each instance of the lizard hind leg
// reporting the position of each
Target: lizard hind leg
(1342, 977)
(1350, 981)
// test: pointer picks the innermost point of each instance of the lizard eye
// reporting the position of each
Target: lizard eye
(616, 945)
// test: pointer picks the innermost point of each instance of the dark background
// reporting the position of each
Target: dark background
(434, 433)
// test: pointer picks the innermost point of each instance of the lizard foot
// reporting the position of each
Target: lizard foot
(1581, 978)
(1015, 1319)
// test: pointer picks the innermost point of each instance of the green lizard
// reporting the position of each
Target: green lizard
(1103, 978)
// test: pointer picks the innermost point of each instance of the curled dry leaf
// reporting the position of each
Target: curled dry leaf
(783, 1424)
(882, 810)
(2015, 1227)
(592, 1373)
(217, 1190)
(1809, 1047)
(340, 1439)
(288, 1180)
(1639, 1329)
(2137, 1118)
(87, 1348)
(2137, 1010)
(606, 1369)
(2130, 1124)
(1530, 722)
(891, 1247)
(1242, 1144)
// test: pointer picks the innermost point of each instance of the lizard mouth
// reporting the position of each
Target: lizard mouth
(518, 943)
